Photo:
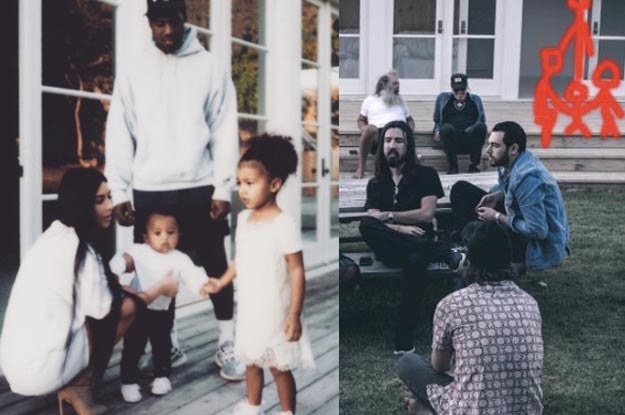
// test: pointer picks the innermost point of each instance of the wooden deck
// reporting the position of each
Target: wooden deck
(197, 386)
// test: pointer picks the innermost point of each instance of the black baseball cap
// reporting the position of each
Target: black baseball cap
(165, 7)
(458, 81)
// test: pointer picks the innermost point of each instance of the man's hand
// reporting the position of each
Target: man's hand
(124, 214)
(437, 137)
(219, 209)
(410, 230)
(130, 263)
(486, 213)
(293, 328)
(379, 215)
(488, 200)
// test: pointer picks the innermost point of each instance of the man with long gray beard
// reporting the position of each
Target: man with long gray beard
(377, 110)
(401, 201)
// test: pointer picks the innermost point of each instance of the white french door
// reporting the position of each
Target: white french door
(319, 158)
(472, 43)
(607, 28)
(417, 45)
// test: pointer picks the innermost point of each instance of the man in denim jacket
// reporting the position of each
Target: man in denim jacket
(527, 201)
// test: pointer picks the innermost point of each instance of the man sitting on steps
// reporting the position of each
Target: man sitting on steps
(384, 106)
(459, 122)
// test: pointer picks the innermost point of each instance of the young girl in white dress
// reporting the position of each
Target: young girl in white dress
(270, 276)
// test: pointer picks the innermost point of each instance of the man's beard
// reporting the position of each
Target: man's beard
(393, 159)
(503, 161)
(390, 98)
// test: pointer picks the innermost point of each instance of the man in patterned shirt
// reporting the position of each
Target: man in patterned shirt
(490, 332)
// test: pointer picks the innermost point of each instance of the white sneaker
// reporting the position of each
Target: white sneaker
(161, 386)
(231, 368)
(131, 392)
(244, 408)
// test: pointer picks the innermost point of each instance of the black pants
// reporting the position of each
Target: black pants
(464, 197)
(103, 332)
(156, 326)
(413, 254)
(201, 237)
(459, 142)
(417, 373)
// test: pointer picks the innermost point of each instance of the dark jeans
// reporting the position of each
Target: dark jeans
(416, 373)
(464, 197)
(459, 142)
(102, 331)
(201, 237)
(156, 326)
(413, 254)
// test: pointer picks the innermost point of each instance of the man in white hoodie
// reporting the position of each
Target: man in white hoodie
(172, 138)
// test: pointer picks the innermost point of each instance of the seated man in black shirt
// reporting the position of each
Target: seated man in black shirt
(401, 202)
(459, 122)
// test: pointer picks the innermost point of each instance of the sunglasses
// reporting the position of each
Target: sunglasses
(459, 89)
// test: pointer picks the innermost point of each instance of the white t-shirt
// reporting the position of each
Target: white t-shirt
(151, 266)
(379, 114)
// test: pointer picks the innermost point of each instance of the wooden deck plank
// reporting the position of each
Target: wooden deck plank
(223, 402)
(330, 407)
(199, 376)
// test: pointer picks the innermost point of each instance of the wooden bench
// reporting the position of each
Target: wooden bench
(352, 197)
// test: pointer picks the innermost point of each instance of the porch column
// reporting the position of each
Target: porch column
(283, 34)
(30, 158)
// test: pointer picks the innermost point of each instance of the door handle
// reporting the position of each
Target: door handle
(595, 28)
(463, 27)
(440, 26)
(324, 170)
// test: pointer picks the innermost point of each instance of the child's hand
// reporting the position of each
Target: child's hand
(212, 286)
(293, 328)
(130, 263)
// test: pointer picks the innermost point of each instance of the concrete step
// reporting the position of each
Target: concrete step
(555, 159)
(423, 138)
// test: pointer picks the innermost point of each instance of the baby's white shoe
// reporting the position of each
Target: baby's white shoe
(161, 386)
(131, 392)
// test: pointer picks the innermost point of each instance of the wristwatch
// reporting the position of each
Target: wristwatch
(497, 216)
(390, 217)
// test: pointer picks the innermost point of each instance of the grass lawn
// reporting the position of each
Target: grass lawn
(583, 310)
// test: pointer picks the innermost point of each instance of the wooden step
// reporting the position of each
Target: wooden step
(555, 159)
(423, 138)
(495, 110)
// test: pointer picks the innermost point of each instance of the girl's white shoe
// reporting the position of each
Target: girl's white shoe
(244, 408)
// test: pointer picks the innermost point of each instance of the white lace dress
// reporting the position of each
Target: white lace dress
(264, 294)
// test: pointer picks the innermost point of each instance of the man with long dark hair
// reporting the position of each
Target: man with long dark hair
(401, 201)
(490, 332)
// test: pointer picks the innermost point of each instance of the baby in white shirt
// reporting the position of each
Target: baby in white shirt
(150, 261)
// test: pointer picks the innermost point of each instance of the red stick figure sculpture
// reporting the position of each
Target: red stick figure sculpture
(604, 100)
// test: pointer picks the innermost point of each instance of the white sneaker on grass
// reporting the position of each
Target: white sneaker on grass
(231, 368)
(161, 386)
(131, 392)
